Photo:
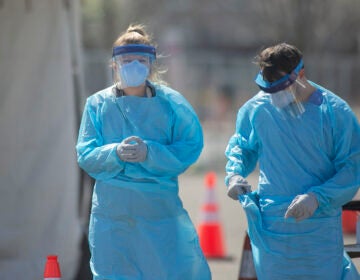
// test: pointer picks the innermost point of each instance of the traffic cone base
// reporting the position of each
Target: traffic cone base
(211, 240)
(52, 268)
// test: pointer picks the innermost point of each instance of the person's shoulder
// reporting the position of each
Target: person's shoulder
(327, 94)
(166, 91)
(258, 101)
(100, 96)
(255, 106)
(173, 98)
(332, 99)
(334, 103)
(169, 94)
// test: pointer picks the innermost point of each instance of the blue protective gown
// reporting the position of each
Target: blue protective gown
(317, 152)
(138, 226)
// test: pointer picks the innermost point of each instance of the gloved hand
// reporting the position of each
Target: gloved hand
(237, 186)
(302, 207)
(132, 149)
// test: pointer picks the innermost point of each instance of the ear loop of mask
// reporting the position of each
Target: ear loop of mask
(300, 83)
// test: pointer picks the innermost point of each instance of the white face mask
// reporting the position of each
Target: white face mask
(282, 98)
(286, 101)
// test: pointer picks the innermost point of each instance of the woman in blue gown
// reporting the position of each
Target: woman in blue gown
(135, 138)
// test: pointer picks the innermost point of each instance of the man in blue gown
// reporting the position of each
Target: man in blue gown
(306, 141)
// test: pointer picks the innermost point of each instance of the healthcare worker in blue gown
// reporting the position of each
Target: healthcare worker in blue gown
(306, 142)
(135, 138)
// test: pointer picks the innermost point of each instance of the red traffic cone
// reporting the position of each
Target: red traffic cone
(349, 219)
(210, 229)
(52, 269)
(247, 268)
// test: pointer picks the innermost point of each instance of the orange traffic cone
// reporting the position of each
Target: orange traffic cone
(349, 219)
(210, 229)
(52, 269)
(247, 269)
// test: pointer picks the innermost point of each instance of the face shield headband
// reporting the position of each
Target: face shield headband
(284, 82)
(140, 49)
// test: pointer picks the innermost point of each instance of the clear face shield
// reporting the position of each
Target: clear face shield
(284, 92)
(132, 64)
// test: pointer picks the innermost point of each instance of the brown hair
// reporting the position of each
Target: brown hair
(136, 34)
(278, 60)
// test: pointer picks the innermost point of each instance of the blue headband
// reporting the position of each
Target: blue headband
(284, 82)
(135, 48)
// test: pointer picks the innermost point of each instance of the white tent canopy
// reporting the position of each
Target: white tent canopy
(38, 170)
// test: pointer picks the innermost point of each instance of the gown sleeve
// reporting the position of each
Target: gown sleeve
(242, 149)
(342, 187)
(185, 147)
(98, 160)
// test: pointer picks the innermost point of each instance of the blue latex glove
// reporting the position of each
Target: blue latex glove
(302, 207)
(237, 186)
(132, 149)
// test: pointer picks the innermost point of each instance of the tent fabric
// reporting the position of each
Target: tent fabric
(39, 174)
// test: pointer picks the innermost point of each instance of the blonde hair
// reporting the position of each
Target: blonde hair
(136, 34)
